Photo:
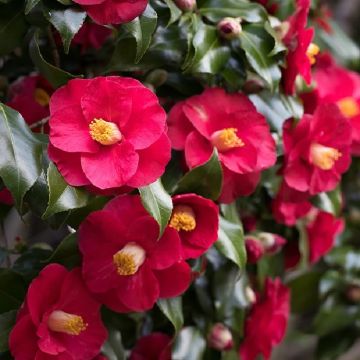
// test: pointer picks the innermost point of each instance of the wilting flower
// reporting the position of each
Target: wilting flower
(155, 346)
(30, 96)
(231, 124)
(266, 325)
(197, 220)
(220, 338)
(113, 11)
(125, 265)
(91, 36)
(110, 123)
(59, 319)
(317, 150)
(301, 52)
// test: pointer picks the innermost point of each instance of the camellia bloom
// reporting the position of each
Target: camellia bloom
(270, 5)
(197, 221)
(124, 264)
(231, 124)
(59, 320)
(156, 346)
(254, 249)
(110, 123)
(317, 150)
(30, 96)
(91, 36)
(301, 52)
(266, 325)
(113, 11)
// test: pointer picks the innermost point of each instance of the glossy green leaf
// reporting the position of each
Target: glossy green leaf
(12, 290)
(30, 4)
(21, 154)
(142, 29)
(54, 75)
(175, 12)
(67, 22)
(67, 252)
(62, 196)
(189, 345)
(7, 321)
(157, 202)
(113, 347)
(205, 180)
(172, 309)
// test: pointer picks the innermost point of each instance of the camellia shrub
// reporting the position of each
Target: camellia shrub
(199, 161)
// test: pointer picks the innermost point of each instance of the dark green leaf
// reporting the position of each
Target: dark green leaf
(189, 345)
(12, 290)
(30, 4)
(157, 202)
(204, 180)
(172, 309)
(62, 197)
(67, 253)
(21, 154)
(7, 321)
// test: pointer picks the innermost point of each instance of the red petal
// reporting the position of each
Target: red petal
(198, 150)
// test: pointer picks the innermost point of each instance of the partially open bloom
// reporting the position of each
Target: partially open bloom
(266, 325)
(113, 11)
(197, 221)
(317, 150)
(59, 319)
(254, 249)
(91, 36)
(301, 52)
(124, 264)
(220, 337)
(156, 346)
(110, 123)
(30, 96)
(231, 124)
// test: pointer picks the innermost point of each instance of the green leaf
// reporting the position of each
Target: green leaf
(216, 10)
(67, 253)
(7, 321)
(30, 4)
(189, 345)
(67, 22)
(258, 44)
(172, 309)
(230, 241)
(12, 290)
(175, 12)
(21, 154)
(13, 26)
(205, 180)
(158, 203)
(142, 29)
(53, 74)
(113, 348)
(62, 197)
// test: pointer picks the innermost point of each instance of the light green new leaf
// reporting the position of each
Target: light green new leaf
(175, 12)
(172, 309)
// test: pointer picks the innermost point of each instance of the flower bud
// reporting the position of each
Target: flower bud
(250, 295)
(353, 293)
(220, 338)
(229, 28)
(254, 249)
(253, 85)
(186, 5)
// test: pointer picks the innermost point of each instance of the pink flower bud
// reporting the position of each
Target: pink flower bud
(229, 28)
(220, 338)
(254, 249)
(186, 5)
(353, 293)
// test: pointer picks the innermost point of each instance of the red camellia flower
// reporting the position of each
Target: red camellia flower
(321, 232)
(197, 221)
(91, 36)
(110, 123)
(270, 5)
(266, 325)
(113, 11)
(301, 52)
(124, 264)
(317, 150)
(231, 124)
(335, 84)
(6, 197)
(30, 96)
(59, 320)
(155, 346)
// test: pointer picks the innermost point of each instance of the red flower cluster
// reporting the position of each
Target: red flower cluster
(110, 123)
(113, 11)
(91, 36)
(231, 124)
(266, 324)
(59, 319)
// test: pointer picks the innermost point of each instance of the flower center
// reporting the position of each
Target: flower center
(183, 218)
(41, 97)
(226, 139)
(311, 53)
(104, 132)
(60, 321)
(129, 259)
(349, 107)
(324, 157)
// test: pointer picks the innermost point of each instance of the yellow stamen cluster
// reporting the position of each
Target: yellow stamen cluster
(183, 218)
(60, 321)
(226, 139)
(129, 259)
(311, 52)
(104, 132)
(324, 157)
(349, 107)
(41, 97)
